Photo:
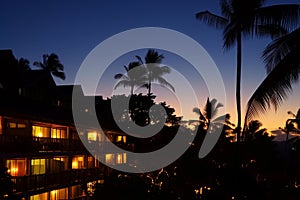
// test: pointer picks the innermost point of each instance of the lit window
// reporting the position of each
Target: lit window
(58, 133)
(121, 158)
(92, 136)
(12, 125)
(16, 167)
(121, 139)
(91, 162)
(109, 159)
(16, 125)
(40, 131)
(112, 159)
(39, 196)
(78, 162)
(21, 125)
(60, 163)
(38, 166)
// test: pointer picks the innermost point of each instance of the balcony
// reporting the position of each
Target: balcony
(12, 143)
(44, 182)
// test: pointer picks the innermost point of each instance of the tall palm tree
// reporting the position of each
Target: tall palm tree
(249, 18)
(135, 76)
(155, 71)
(52, 64)
(283, 68)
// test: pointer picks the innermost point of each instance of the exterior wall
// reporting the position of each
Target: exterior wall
(49, 161)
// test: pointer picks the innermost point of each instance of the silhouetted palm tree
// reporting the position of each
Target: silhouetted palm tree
(249, 18)
(52, 64)
(155, 71)
(23, 65)
(254, 131)
(209, 114)
(135, 76)
(283, 68)
(292, 124)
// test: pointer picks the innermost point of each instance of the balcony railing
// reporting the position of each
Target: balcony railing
(42, 182)
(12, 143)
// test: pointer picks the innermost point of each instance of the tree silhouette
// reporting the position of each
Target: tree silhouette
(283, 68)
(136, 75)
(23, 65)
(292, 124)
(210, 122)
(155, 71)
(248, 18)
(6, 189)
(209, 113)
(52, 64)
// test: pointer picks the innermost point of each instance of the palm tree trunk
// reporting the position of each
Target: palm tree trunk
(236, 163)
(131, 90)
(149, 88)
(238, 85)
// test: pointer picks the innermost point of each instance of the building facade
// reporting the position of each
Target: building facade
(40, 146)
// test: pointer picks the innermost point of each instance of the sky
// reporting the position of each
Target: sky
(72, 29)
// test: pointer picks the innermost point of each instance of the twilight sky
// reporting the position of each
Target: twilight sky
(72, 29)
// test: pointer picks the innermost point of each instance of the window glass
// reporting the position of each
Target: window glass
(16, 167)
(40, 131)
(78, 162)
(38, 166)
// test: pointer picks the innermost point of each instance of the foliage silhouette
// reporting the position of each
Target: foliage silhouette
(136, 75)
(155, 71)
(249, 18)
(7, 186)
(52, 64)
(283, 68)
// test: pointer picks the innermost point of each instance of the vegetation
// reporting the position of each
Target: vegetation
(247, 19)
(283, 67)
(135, 76)
(51, 63)
(7, 186)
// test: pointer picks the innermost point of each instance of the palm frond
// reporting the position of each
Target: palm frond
(152, 56)
(39, 64)
(126, 68)
(119, 76)
(229, 36)
(285, 15)
(212, 19)
(163, 82)
(274, 31)
(226, 8)
(139, 59)
(124, 83)
(198, 111)
(275, 87)
(221, 119)
(59, 74)
(280, 47)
